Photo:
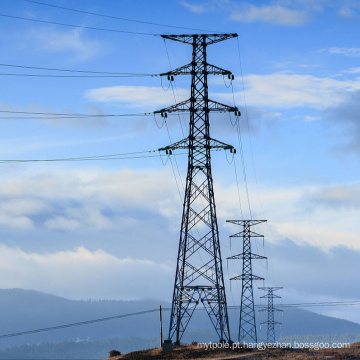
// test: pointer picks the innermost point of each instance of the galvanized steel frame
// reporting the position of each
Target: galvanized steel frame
(247, 323)
(199, 275)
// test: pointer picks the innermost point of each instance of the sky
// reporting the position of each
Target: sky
(109, 229)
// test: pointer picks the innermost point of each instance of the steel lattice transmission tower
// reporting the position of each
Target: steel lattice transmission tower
(270, 312)
(199, 275)
(247, 325)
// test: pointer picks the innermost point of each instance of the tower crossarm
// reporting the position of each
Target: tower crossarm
(248, 222)
(209, 38)
(216, 106)
(246, 256)
(198, 143)
(186, 106)
(270, 323)
(272, 288)
(247, 277)
(273, 309)
(179, 107)
(270, 296)
(188, 70)
(247, 233)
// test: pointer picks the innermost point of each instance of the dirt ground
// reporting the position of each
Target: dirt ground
(192, 352)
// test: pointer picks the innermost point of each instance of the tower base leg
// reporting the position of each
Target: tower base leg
(168, 345)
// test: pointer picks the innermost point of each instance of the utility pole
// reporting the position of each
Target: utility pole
(199, 275)
(161, 333)
(247, 324)
(270, 311)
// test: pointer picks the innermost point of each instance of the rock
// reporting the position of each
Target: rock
(113, 353)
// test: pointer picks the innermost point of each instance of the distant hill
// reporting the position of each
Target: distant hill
(22, 310)
(78, 350)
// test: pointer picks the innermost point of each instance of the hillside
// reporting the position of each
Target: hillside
(193, 352)
(22, 310)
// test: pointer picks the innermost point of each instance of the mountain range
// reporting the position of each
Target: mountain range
(22, 310)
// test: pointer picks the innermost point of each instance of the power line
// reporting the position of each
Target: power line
(55, 117)
(80, 159)
(250, 143)
(248, 122)
(77, 26)
(134, 155)
(334, 303)
(58, 116)
(314, 304)
(95, 158)
(324, 303)
(113, 74)
(78, 76)
(76, 71)
(243, 164)
(68, 115)
(114, 17)
(238, 130)
(172, 87)
(77, 324)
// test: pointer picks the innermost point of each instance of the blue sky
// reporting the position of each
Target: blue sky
(77, 228)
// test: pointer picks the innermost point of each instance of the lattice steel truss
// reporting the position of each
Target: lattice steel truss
(247, 325)
(199, 275)
(270, 312)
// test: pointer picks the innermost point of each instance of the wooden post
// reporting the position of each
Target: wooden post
(161, 335)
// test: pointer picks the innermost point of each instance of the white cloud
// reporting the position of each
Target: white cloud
(346, 51)
(72, 201)
(277, 12)
(353, 71)
(349, 10)
(24, 206)
(136, 96)
(346, 116)
(346, 12)
(273, 14)
(16, 212)
(311, 118)
(304, 214)
(284, 90)
(80, 273)
(16, 222)
(338, 196)
(79, 218)
(75, 200)
(72, 41)
(321, 217)
(277, 90)
(63, 223)
(318, 235)
(200, 8)
(81, 201)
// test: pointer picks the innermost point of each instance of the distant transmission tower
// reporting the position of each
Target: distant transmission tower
(199, 275)
(247, 324)
(270, 312)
